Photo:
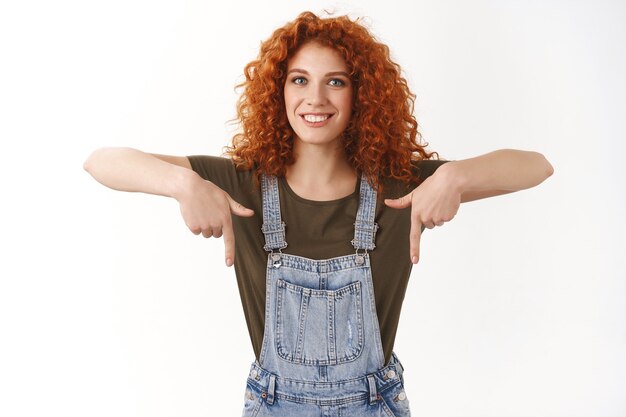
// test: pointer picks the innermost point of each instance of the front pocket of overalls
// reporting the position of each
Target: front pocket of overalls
(318, 327)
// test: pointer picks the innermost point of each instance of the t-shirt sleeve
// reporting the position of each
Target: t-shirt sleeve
(422, 169)
(220, 171)
(426, 167)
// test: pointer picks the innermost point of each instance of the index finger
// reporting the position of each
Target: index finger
(229, 242)
(414, 238)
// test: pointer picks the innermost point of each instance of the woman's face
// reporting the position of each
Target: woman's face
(318, 94)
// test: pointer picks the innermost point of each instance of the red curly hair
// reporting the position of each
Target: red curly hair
(381, 138)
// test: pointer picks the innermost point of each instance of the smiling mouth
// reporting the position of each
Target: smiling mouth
(316, 118)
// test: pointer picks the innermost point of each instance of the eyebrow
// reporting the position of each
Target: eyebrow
(328, 74)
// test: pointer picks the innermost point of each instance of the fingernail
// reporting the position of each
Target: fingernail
(414, 259)
(229, 262)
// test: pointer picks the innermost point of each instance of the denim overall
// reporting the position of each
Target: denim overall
(322, 355)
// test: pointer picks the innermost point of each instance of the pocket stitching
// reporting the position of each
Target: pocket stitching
(386, 408)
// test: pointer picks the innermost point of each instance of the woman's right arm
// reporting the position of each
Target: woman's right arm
(127, 169)
(205, 207)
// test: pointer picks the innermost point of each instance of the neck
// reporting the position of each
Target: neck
(321, 172)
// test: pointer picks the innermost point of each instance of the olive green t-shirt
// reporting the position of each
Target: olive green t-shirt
(316, 230)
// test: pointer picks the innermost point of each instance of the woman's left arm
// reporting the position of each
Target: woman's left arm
(495, 173)
(437, 199)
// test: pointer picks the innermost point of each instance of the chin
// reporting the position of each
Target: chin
(316, 140)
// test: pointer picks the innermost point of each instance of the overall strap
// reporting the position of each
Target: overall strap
(365, 228)
(273, 227)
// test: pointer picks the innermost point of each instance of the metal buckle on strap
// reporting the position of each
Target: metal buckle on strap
(360, 257)
(276, 258)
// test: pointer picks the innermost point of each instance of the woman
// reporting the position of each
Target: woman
(317, 192)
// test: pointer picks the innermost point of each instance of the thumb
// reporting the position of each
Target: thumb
(239, 210)
(399, 203)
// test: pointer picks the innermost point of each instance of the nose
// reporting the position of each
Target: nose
(316, 95)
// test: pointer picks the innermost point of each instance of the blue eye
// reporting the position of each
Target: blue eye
(298, 80)
(336, 82)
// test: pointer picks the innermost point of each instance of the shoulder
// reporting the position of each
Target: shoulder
(209, 163)
(422, 169)
(222, 172)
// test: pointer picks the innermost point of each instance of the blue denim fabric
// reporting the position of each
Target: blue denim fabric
(322, 354)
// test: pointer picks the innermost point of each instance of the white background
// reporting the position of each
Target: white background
(109, 306)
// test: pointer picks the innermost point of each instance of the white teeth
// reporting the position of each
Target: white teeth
(315, 119)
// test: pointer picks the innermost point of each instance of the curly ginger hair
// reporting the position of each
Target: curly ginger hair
(382, 137)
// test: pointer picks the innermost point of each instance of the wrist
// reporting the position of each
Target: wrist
(183, 183)
(453, 176)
